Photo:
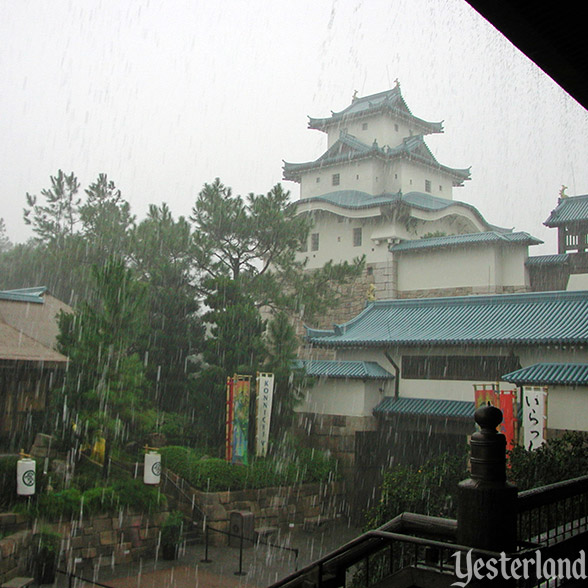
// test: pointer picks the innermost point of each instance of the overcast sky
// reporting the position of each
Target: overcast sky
(164, 96)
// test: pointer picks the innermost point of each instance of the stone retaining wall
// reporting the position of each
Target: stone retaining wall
(308, 505)
(86, 544)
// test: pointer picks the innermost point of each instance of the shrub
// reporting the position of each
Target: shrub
(134, 494)
(430, 489)
(171, 534)
(7, 481)
(559, 459)
(212, 474)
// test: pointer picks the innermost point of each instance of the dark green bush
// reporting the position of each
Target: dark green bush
(429, 489)
(559, 459)
(52, 506)
(211, 474)
(7, 481)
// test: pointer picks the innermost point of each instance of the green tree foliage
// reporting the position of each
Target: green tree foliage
(245, 239)
(57, 218)
(282, 347)
(5, 244)
(105, 218)
(105, 385)
(559, 459)
(429, 489)
(234, 345)
(72, 234)
(162, 254)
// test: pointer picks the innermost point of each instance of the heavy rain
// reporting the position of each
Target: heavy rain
(236, 351)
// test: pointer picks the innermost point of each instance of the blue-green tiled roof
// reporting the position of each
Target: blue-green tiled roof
(541, 260)
(539, 317)
(362, 370)
(426, 407)
(539, 374)
(568, 210)
(356, 200)
(348, 148)
(390, 100)
(34, 295)
(469, 239)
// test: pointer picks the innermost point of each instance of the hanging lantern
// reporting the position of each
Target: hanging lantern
(152, 471)
(25, 476)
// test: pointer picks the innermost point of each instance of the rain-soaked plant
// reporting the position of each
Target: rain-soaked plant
(429, 489)
(213, 475)
(105, 386)
(559, 459)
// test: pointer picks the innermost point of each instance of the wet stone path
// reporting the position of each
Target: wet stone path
(260, 566)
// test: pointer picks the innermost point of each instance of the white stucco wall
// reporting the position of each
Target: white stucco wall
(487, 268)
(567, 408)
(578, 282)
(376, 177)
(565, 415)
(336, 396)
(336, 240)
(385, 130)
(447, 268)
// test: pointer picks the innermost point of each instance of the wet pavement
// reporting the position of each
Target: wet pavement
(260, 566)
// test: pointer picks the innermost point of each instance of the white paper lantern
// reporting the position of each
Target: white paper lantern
(152, 473)
(25, 476)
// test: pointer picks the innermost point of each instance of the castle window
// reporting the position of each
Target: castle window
(357, 237)
(396, 128)
(440, 188)
(357, 177)
(428, 186)
(336, 179)
(318, 179)
(304, 246)
(314, 242)
(364, 127)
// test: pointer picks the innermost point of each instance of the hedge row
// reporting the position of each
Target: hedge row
(214, 475)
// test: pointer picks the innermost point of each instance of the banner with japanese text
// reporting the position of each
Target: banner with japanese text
(534, 416)
(265, 393)
(240, 433)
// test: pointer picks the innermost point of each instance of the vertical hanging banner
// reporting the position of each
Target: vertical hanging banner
(241, 393)
(534, 401)
(265, 394)
(229, 421)
(485, 394)
(507, 406)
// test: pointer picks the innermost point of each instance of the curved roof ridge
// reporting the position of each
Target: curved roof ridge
(391, 100)
(484, 237)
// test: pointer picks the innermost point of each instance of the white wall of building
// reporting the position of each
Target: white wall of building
(566, 408)
(484, 268)
(447, 268)
(375, 177)
(384, 129)
(336, 396)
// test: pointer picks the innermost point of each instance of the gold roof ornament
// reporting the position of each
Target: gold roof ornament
(562, 192)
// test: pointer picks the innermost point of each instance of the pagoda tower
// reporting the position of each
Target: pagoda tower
(375, 146)
(379, 193)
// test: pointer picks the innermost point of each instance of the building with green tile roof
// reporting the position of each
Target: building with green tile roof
(377, 190)
(390, 103)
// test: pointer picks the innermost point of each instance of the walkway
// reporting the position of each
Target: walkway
(261, 565)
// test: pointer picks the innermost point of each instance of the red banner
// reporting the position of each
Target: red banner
(507, 406)
(229, 421)
(505, 400)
